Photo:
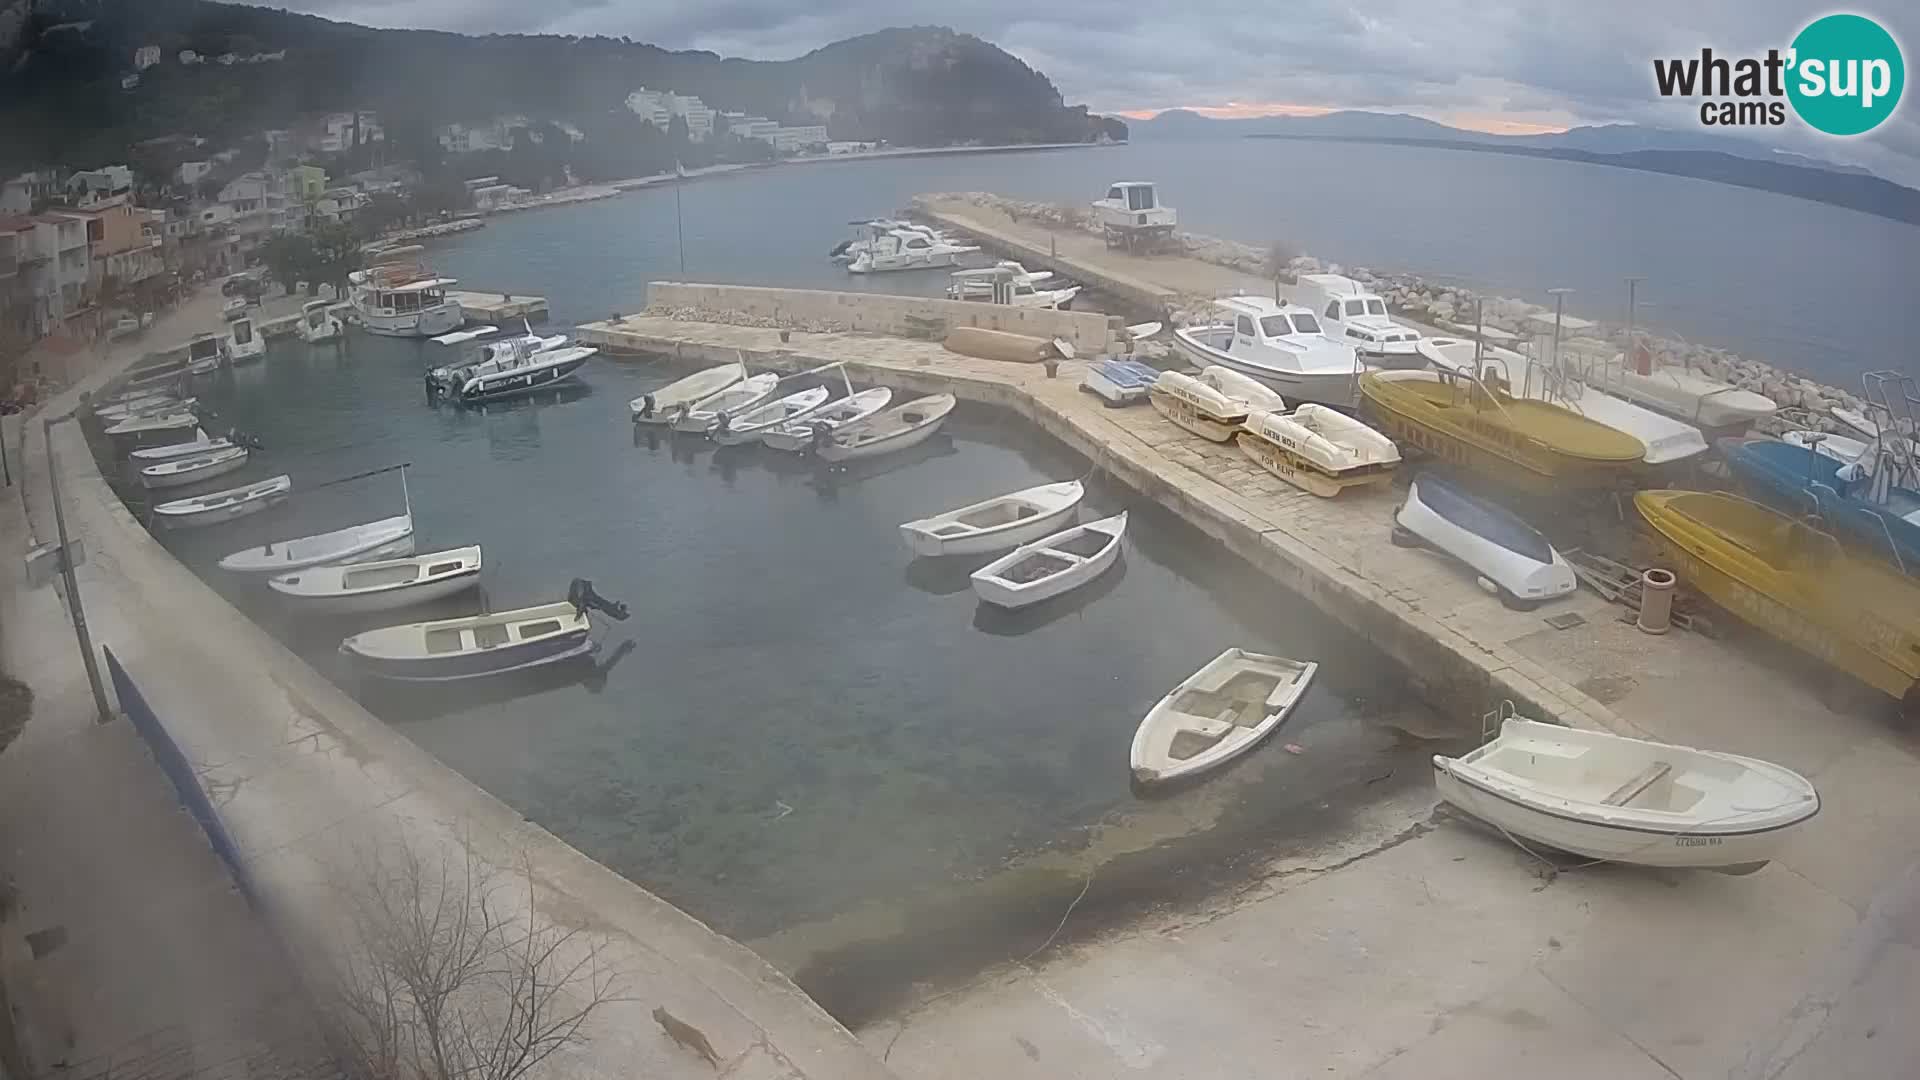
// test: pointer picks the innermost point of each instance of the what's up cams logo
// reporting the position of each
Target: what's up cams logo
(1843, 75)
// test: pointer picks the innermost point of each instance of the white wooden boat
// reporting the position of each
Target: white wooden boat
(997, 524)
(154, 424)
(152, 405)
(382, 539)
(750, 425)
(193, 469)
(219, 506)
(1609, 797)
(1220, 712)
(445, 650)
(1279, 344)
(1196, 406)
(1319, 450)
(1052, 565)
(884, 432)
(361, 588)
(201, 443)
(744, 396)
(395, 299)
(1145, 330)
(1488, 538)
(1686, 395)
(798, 435)
(1119, 382)
(1252, 392)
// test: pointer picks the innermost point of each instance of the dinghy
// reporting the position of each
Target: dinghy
(199, 444)
(1252, 392)
(1196, 406)
(386, 538)
(660, 406)
(1048, 567)
(182, 471)
(1493, 541)
(481, 645)
(361, 588)
(1145, 330)
(1220, 712)
(154, 424)
(704, 415)
(796, 436)
(1119, 382)
(884, 432)
(998, 524)
(149, 406)
(1616, 799)
(219, 506)
(750, 425)
(1319, 450)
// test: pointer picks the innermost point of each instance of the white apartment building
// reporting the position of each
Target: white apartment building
(792, 140)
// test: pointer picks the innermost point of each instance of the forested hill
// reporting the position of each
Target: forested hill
(64, 102)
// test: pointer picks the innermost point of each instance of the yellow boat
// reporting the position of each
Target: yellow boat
(1534, 446)
(1794, 582)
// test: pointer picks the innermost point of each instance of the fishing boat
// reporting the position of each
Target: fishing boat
(886, 431)
(997, 524)
(199, 444)
(386, 538)
(1255, 394)
(1220, 712)
(244, 343)
(511, 368)
(1871, 514)
(397, 297)
(318, 324)
(744, 396)
(864, 233)
(1534, 446)
(1119, 381)
(660, 406)
(1319, 450)
(1491, 540)
(1280, 345)
(752, 424)
(366, 587)
(220, 506)
(797, 435)
(156, 405)
(1685, 395)
(193, 469)
(154, 424)
(1050, 566)
(1793, 582)
(1196, 406)
(205, 354)
(480, 645)
(1612, 798)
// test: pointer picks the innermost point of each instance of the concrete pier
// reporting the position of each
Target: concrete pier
(500, 308)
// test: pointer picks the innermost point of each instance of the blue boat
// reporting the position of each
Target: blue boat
(1119, 381)
(1797, 481)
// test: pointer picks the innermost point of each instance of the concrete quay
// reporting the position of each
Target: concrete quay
(499, 309)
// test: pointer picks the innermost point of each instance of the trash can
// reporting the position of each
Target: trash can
(1656, 601)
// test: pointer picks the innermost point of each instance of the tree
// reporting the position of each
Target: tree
(1279, 264)
(287, 257)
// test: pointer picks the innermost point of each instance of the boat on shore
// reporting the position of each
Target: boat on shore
(1197, 407)
(1872, 515)
(447, 650)
(1280, 345)
(1684, 395)
(796, 435)
(752, 424)
(1318, 449)
(221, 506)
(997, 524)
(1488, 538)
(1251, 392)
(195, 468)
(1220, 712)
(1052, 565)
(1119, 381)
(884, 432)
(746, 395)
(1608, 797)
(365, 587)
(662, 405)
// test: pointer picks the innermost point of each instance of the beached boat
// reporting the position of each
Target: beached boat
(1251, 392)
(445, 650)
(244, 343)
(750, 425)
(1280, 345)
(193, 469)
(383, 539)
(216, 507)
(1685, 395)
(997, 524)
(318, 324)
(365, 587)
(1793, 582)
(201, 443)
(796, 436)
(1871, 514)
(1318, 449)
(1534, 446)
(662, 405)
(1220, 712)
(1196, 406)
(1487, 537)
(1609, 797)
(1840, 448)
(1119, 382)
(884, 432)
(1052, 565)
(743, 396)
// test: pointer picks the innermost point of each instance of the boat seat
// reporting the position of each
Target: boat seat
(1637, 786)
(1218, 728)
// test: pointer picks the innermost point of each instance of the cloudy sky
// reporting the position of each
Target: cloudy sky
(1543, 65)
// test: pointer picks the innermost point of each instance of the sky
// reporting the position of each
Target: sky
(1515, 68)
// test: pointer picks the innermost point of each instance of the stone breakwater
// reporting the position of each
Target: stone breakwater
(1807, 403)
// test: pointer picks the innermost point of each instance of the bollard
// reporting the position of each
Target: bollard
(1656, 601)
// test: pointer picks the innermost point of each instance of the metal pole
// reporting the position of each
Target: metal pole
(5, 465)
(73, 585)
(1559, 308)
(679, 224)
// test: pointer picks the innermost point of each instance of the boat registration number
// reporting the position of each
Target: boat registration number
(1696, 841)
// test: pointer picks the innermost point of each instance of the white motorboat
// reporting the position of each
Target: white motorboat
(865, 232)
(1006, 285)
(1119, 381)
(403, 299)
(1256, 395)
(450, 649)
(997, 524)
(1196, 406)
(1611, 798)
(1840, 448)
(1319, 450)
(206, 353)
(662, 405)
(1355, 316)
(751, 425)
(1279, 344)
(193, 469)
(1145, 330)
(383, 539)
(904, 249)
(1050, 566)
(744, 396)
(199, 444)
(157, 405)
(1510, 554)
(884, 432)
(1683, 394)
(364, 587)
(154, 424)
(318, 324)
(1220, 712)
(503, 369)
(797, 436)
(244, 344)
(219, 506)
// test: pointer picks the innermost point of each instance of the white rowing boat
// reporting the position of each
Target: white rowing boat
(884, 432)
(1251, 392)
(1048, 567)
(219, 506)
(182, 471)
(750, 425)
(383, 539)
(796, 436)
(154, 424)
(1609, 797)
(445, 650)
(660, 406)
(1220, 712)
(1196, 406)
(1319, 449)
(744, 396)
(997, 524)
(199, 444)
(361, 588)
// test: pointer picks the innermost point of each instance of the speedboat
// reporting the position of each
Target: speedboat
(1873, 514)
(1050, 566)
(997, 524)
(1219, 712)
(797, 435)
(193, 469)
(1119, 381)
(383, 585)
(1010, 285)
(382, 539)
(1280, 345)
(662, 405)
(1318, 449)
(446, 650)
(884, 432)
(216, 507)
(244, 344)
(510, 368)
(903, 249)
(1196, 406)
(1491, 540)
(318, 324)
(744, 396)
(751, 425)
(865, 232)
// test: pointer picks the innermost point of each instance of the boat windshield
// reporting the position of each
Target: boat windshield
(1376, 306)
(1275, 326)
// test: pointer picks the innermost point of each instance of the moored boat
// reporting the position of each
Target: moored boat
(1052, 565)
(1487, 537)
(157, 423)
(219, 506)
(884, 432)
(1318, 449)
(1196, 406)
(446, 650)
(750, 425)
(383, 585)
(511, 368)
(157, 405)
(744, 396)
(244, 343)
(382, 539)
(1219, 712)
(997, 524)
(796, 436)
(398, 297)
(318, 324)
(662, 405)
(201, 443)
(205, 354)
(193, 469)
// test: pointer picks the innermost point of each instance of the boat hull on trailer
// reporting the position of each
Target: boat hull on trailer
(368, 587)
(1489, 539)
(1051, 566)
(1197, 407)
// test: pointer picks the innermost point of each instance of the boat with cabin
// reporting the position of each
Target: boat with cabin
(398, 297)
(206, 353)
(244, 343)
(864, 233)
(905, 249)
(1358, 317)
(318, 324)
(1318, 449)
(1281, 345)
(1009, 285)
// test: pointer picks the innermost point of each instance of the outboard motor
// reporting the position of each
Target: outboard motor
(722, 422)
(581, 595)
(822, 434)
(839, 249)
(646, 406)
